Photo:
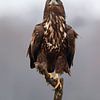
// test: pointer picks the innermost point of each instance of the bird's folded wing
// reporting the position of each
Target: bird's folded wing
(70, 51)
(35, 44)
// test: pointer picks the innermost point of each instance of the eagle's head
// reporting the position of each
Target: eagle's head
(54, 6)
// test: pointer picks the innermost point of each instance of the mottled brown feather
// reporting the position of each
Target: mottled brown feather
(55, 42)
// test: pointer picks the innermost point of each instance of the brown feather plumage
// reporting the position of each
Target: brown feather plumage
(57, 46)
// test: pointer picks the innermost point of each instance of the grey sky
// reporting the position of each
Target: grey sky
(14, 6)
(17, 81)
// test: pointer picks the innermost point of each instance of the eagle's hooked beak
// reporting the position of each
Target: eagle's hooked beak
(53, 2)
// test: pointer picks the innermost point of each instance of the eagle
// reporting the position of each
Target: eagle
(53, 41)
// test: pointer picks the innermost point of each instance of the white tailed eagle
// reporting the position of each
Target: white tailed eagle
(53, 41)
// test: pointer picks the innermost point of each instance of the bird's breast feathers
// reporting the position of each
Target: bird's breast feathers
(54, 34)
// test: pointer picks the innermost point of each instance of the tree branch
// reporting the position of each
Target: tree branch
(41, 67)
(59, 91)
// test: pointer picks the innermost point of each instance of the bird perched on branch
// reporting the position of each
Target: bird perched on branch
(53, 41)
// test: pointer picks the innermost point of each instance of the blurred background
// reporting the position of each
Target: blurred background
(18, 81)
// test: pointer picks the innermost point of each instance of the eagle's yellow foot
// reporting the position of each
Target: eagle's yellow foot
(55, 77)
(58, 84)
(50, 75)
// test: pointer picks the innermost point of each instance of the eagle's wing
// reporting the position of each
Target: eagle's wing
(70, 51)
(35, 44)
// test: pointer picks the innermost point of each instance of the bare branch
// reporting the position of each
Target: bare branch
(59, 91)
(53, 82)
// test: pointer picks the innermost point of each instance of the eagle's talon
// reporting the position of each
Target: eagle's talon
(58, 84)
(54, 77)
